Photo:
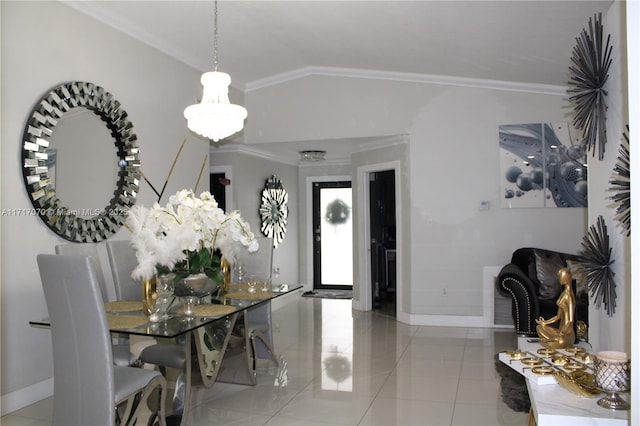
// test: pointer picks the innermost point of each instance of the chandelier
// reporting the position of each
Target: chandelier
(312, 155)
(215, 117)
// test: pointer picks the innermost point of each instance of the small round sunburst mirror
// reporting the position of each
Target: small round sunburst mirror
(621, 185)
(596, 266)
(274, 210)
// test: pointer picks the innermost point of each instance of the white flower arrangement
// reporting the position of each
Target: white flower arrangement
(184, 235)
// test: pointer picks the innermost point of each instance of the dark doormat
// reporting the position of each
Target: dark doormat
(329, 294)
(513, 387)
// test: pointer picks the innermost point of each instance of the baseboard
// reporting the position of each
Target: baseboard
(447, 320)
(14, 401)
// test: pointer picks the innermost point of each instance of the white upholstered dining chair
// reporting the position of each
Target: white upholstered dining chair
(91, 250)
(88, 388)
(258, 318)
(122, 260)
(122, 355)
(159, 352)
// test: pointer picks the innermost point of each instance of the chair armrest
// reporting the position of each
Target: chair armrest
(513, 282)
(515, 273)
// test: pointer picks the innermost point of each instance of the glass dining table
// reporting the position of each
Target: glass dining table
(214, 338)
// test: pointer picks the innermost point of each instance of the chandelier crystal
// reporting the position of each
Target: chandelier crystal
(215, 117)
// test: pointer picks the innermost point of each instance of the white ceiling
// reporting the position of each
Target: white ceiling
(516, 41)
(264, 41)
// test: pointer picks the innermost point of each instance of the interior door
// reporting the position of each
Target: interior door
(382, 199)
(332, 235)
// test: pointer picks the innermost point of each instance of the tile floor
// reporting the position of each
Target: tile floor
(346, 367)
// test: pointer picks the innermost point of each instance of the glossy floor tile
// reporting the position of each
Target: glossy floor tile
(344, 367)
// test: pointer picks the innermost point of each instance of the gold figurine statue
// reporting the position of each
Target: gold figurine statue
(562, 336)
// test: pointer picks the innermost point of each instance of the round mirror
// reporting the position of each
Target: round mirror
(85, 186)
(76, 163)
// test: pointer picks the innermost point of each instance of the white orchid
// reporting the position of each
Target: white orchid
(183, 235)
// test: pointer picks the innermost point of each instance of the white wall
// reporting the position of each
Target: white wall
(633, 68)
(600, 204)
(43, 45)
(249, 174)
(453, 165)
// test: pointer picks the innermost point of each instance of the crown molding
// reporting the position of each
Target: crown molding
(248, 150)
(325, 163)
(105, 16)
(544, 89)
(256, 151)
(381, 142)
(243, 149)
(102, 14)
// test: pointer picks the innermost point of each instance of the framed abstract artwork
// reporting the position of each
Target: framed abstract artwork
(542, 166)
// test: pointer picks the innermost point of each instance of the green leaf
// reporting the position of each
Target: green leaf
(197, 261)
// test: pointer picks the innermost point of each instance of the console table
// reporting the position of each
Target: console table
(552, 404)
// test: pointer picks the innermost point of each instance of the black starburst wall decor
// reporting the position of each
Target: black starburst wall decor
(596, 266)
(589, 71)
(621, 185)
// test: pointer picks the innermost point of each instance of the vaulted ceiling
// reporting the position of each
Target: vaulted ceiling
(264, 42)
(513, 41)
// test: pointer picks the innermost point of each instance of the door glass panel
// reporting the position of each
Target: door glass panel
(334, 236)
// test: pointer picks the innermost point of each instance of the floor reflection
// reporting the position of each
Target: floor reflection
(337, 337)
(336, 374)
(281, 379)
(345, 367)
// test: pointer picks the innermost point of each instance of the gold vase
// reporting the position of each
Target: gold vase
(225, 271)
(149, 294)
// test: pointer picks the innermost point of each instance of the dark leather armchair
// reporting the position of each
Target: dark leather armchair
(519, 280)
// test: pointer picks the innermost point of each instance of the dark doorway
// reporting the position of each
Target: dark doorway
(382, 198)
(217, 187)
(332, 236)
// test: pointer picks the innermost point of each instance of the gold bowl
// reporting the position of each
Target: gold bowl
(560, 360)
(542, 370)
(574, 350)
(531, 361)
(585, 358)
(546, 352)
(578, 382)
(574, 366)
(584, 378)
(517, 354)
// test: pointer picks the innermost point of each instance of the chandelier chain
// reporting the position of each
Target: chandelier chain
(215, 35)
(215, 117)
